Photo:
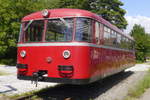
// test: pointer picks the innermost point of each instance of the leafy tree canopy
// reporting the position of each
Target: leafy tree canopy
(11, 12)
(109, 9)
(142, 42)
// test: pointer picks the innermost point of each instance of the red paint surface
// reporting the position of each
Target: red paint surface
(88, 62)
(36, 60)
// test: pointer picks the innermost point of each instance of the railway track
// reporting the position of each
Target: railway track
(83, 92)
(24, 97)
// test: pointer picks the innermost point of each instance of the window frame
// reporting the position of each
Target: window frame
(90, 38)
(23, 36)
(97, 32)
(72, 36)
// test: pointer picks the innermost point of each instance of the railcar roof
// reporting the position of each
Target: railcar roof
(64, 12)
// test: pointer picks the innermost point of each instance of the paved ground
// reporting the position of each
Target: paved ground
(10, 85)
(112, 88)
(139, 67)
(146, 95)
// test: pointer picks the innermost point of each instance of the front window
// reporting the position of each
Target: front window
(33, 31)
(59, 30)
(83, 29)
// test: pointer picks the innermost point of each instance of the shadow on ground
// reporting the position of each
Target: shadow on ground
(10, 89)
(82, 92)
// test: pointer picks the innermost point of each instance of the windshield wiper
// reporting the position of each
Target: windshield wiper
(28, 25)
(66, 24)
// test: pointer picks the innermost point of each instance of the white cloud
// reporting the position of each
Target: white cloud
(142, 20)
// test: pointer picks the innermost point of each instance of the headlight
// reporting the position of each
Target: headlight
(45, 13)
(23, 53)
(66, 54)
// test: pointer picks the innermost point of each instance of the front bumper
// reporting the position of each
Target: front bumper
(57, 80)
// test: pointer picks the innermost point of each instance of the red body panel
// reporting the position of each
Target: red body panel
(88, 62)
(36, 60)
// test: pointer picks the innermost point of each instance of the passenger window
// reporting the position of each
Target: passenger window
(118, 41)
(83, 29)
(113, 38)
(122, 42)
(107, 36)
(131, 44)
(97, 32)
(127, 43)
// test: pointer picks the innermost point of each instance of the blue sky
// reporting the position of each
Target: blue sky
(138, 12)
(137, 7)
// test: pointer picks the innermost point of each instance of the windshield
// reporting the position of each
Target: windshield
(33, 31)
(56, 30)
(59, 30)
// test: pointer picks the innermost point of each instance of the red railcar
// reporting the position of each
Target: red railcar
(71, 46)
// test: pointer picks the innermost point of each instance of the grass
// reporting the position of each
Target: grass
(140, 88)
(11, 62)
(23, 94)
(3, 73)
(139, 62)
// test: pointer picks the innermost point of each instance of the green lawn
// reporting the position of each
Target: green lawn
(3, 73)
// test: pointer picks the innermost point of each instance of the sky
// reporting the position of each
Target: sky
(138, 12)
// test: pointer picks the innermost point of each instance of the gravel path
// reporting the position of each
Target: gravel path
(119, 91)
(112, 88)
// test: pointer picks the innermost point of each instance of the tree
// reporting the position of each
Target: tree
(11, 13)
(147, 54)
(142, 42)
(80, 4)
(109, 9)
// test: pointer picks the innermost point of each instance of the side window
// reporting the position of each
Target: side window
(132, 45)
(127, 43)
(123, 42)
(118, 41)
(97, 32)
(84, 29)
(109, 38)
(106, 35)
(113, 38)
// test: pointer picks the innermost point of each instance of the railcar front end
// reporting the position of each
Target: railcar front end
(49, 50)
